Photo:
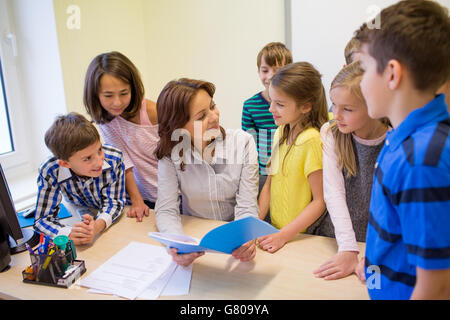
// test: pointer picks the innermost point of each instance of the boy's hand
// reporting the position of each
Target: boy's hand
(184, 259)
(137, 210)
(246, 252)
(272, 242)
(83, 232)
(339, 266)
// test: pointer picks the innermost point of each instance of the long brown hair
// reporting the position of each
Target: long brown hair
(302, 82)
(350, 78)
(173, 111)
(116, 64)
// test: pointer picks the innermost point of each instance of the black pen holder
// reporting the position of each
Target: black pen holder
(56, 268)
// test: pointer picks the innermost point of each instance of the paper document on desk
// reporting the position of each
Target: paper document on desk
(225, 238)
(130, 271)
(174, 282)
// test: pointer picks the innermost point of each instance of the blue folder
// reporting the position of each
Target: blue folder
(225, 238)
(28, 222)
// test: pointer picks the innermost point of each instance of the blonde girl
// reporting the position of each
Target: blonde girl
(293, 190)
(351, 143)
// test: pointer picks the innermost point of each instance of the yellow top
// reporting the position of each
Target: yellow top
(290, 191)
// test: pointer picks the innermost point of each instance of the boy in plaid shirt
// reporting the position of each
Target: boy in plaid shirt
(88, 174)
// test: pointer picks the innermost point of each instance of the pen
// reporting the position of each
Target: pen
(40, 249)
(46, 244)
(35, 265)
(29, 248)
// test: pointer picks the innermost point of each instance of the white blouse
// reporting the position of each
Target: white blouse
(224, 188)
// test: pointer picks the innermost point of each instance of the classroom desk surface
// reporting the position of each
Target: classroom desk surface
(286, 274)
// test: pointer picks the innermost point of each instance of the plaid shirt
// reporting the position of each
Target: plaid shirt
(106, 193)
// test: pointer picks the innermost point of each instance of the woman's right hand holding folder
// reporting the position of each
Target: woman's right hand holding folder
(184, 259)
(246, 252)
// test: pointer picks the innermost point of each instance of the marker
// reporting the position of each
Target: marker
(46, 243)
(35, 265)
(29, 248)
(47, 260)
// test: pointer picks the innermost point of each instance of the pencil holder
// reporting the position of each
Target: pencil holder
(56, 268)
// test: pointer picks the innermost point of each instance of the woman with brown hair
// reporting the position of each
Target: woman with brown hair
(215, 170)
(114, 98)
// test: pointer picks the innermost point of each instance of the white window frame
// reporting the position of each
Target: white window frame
(17, 162)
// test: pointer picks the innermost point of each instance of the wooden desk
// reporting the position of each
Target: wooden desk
(286, 275)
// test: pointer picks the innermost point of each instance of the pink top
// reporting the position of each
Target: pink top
(334, 189)
(138, 143)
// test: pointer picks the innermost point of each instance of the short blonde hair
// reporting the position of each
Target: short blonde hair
(275, 54)
(352, 47)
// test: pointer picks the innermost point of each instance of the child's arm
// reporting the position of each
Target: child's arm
(310, 214)
(345, 261)
(264, 199)
(247, 192)
(138, 207)
(431, 284)
(47, 207)
(113, 198)
(84, 232)
(335, 195)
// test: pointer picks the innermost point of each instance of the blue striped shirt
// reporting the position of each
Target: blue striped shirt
(258, 121)
(106, 193)
(409, 221)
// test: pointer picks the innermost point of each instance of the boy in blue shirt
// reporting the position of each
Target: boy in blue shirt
(87, 174)
(408, 237)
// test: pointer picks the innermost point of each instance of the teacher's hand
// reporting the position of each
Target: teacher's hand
(184, 259)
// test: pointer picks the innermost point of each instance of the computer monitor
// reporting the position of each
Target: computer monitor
(10, 223)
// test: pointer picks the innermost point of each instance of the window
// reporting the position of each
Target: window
(6, 141)
(14, 130)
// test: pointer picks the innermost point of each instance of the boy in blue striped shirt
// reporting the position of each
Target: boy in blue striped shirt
(87, 174)
(406, 59)
(256, 118)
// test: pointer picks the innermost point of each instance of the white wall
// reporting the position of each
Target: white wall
(214, 40)
(321, 29)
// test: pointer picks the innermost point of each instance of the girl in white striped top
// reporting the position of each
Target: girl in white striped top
(114, 98)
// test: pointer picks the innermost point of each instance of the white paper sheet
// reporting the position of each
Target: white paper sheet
(180, 282)
(130, 271)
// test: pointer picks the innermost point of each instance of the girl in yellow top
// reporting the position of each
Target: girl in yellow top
(294, 188)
